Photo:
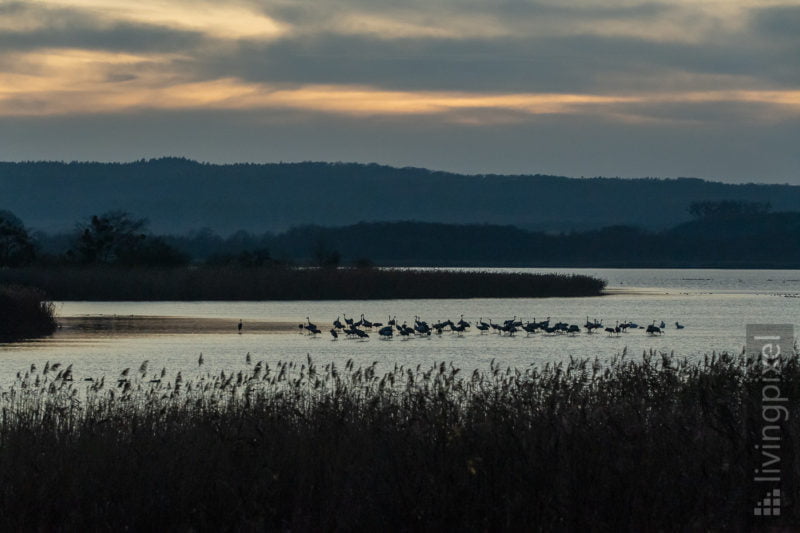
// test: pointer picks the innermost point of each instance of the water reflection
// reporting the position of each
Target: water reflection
(102, 338)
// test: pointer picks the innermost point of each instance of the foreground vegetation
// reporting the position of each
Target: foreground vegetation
(270, 283)
(24, 313)
(649, 445)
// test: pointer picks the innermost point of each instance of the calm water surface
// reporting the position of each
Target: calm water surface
(713, 305)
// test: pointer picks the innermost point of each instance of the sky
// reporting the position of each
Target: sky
(703, 88)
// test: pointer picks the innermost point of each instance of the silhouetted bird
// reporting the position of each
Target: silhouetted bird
(364, 322)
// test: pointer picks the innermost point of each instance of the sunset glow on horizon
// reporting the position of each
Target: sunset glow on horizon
(615, 65)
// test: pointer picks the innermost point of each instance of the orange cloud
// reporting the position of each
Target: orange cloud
(223, 20)
(58, 82)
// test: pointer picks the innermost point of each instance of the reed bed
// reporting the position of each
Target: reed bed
(284, 283)
(652, 444)
(24, 313)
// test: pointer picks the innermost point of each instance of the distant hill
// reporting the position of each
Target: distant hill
(753, 241)
(178, 195)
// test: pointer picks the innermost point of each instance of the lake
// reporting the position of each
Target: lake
(713, 305)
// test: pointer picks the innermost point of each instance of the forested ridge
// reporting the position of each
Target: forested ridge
(180, 195)
(720, 234)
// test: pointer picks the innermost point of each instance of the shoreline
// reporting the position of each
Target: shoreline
(170, 324)
(149, 324)
(635, 291)
(119, 324)
(110, 283)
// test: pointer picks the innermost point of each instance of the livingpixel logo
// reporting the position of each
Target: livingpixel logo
(773, 343)
(770, 505)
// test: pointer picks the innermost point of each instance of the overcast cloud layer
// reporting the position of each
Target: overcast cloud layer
(620, 87)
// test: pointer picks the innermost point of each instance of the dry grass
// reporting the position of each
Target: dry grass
(644, 445)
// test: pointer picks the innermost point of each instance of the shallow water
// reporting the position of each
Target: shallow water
(714, 306)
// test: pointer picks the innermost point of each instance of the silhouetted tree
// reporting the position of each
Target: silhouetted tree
(256, 258)
(152, 251)
(727, 209)
(107, 236)
(16, 247)
(363, 262)
(117, 237)
(324, 257)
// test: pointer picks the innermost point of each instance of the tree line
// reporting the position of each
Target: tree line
(180, 195)
(721, 233)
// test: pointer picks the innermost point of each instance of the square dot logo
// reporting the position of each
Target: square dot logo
(770, 505)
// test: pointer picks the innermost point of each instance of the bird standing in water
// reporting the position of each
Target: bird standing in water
(240, 325)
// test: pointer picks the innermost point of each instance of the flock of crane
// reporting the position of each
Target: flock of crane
(358, 329)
